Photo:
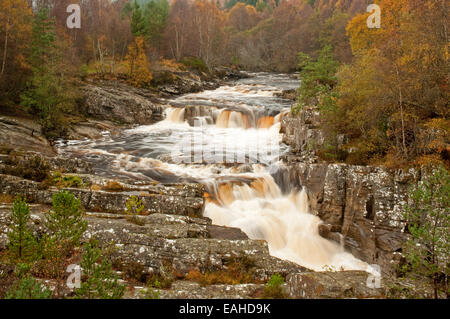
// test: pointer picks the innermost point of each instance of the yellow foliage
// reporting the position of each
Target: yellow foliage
(171, 64)
(137, 64)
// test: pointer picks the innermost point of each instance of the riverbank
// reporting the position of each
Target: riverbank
(220, 229)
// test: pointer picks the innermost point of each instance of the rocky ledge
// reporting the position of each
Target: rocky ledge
(171, 236)
(361, 205)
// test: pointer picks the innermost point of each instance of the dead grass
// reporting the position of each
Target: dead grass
(6, 198)
(237, 271)
(114, 186)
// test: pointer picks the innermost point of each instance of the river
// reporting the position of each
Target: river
(229, 140)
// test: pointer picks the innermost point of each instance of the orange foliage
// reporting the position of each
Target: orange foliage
(137, 63)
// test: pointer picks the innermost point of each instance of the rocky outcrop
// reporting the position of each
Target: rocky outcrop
(302, 134)
(187, 82)
(364, 204)
(176, 199)
(172, 83)
(193, 290)
(121, 103)
(23, 159)
(361, 204)
(334, 285)
(23, 134)
(291, 94)
(184, 243)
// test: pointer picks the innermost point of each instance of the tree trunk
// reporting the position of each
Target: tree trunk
(5, 48)
(400, 101)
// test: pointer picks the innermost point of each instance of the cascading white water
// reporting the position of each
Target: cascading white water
(284, 221)
(175, 115)
(240, 195)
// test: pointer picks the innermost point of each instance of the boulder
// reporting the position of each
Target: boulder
(334, 285)
(121, 103)
(22, 134)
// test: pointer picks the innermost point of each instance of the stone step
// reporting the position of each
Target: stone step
(167, 201)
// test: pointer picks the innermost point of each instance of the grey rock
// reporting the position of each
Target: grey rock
(332, 285)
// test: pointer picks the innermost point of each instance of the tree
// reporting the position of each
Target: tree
(405, 79)
(318, 77)
(48, 92)
(156, 13)
(318, 88)
(428, 221)
(22, 243)
(66, 223)
(15, 33)
(99, 280)
(137, 19)
(137, 63)
(28, 288)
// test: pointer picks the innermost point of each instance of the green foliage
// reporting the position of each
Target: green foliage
(134, 206)
(318, 83)
(47, 94)
(274, 287)
(134, 11)
(156, 13)
(195, 63)
(67, 181)
(22, 244)
(428, 221)
(28, 288)
(150, 293)
(318, 78)
(99, 280)
(148, 19)
(66, 223)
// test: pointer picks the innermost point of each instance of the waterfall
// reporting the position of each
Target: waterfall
(242, 192)
(232, 119)
(266, 122)
(175, 115)
(284, 221)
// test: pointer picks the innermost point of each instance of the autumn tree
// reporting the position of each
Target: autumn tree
(407, 62)
(137, 63)
(15, 35)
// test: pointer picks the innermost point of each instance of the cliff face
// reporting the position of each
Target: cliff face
(360, 205)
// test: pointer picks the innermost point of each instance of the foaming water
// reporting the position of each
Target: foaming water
(284, 221)
(233, 150)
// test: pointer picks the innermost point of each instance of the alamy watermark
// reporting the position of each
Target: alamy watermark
(74, 19)
(374, 20)
(374, 278)
(74, 279)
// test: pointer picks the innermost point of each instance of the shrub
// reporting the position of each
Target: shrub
(237, 271)
(134, 209)
(195, 63)
(70, 181)
(6, 198)
(274, 288)
(28, 288)
(150, 293)
(34, 168)
(99, 280)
